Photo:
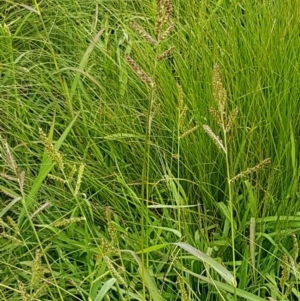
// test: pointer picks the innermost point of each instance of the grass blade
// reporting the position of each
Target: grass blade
(224, 273)
(104, 289)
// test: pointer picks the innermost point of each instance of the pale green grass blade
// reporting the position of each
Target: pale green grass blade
(83, 62)
(104, 289)
(176, 232)
(153, 248)
(230, 289)
(150, 283)
(224, 273)
(9, 206)
(172, 206)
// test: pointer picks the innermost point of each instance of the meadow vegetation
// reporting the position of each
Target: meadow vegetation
(149, 150)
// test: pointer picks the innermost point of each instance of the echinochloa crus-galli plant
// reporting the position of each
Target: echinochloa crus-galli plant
(162, 30)
(226, 121)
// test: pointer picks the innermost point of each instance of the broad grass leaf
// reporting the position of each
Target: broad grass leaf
(224, 273)
(148, 280)
(228, 288)
(104, 289)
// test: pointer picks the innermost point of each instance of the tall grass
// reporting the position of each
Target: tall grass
(149, 150)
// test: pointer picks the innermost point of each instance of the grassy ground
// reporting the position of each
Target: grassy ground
(149, 150)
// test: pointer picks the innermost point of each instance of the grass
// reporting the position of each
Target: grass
(149, 150)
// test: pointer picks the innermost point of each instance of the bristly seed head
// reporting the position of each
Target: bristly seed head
(9, 158)
(217, 116)
(190, 131)
(219, 92)
(165, 54)
(138, 70)
(79, 178)
(143, 33)
(52, 152)
(231, 119)
(164, 16)
(251, 170)
(285, 274)
(217, 140)
(167, 32)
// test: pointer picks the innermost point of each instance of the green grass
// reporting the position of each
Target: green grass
(144, 206)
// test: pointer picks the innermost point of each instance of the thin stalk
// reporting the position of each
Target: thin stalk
(230, 202)
(145, 176)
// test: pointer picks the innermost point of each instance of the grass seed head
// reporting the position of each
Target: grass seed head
(190, 131)
(143, 33)
(138, 70)
(65, 222)
(112, 231)
(251, 170)
(52, 152)
(165, 54)
(285, 273)
(9, 158)
(13, 224)
(289, 289)
(57, 179)
(217, 140)
(113, 270)
(22, 289)
(79, 178)
(231, 119)
(72, 173)
(164, 13)
(180, 97)
(217, 116)
(219, 92)
(11, 238)
(295, 247)
(167, 32)
(37, 271)
(40, 209)
(183, 292)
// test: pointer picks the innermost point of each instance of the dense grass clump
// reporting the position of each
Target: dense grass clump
(149, 150)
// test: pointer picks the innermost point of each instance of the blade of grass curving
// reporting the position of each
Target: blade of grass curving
(8, 206)
(104, 289)
(148, 280)
(227, 288)
(82, 66)
(224, 273)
